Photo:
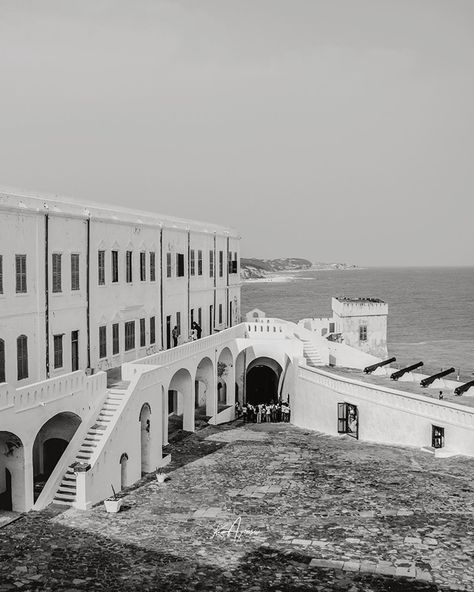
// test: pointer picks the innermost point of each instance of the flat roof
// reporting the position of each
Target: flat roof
(359, 299)
(21, 200)
(467, 399)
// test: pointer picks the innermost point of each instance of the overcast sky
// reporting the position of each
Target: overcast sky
(336, 130)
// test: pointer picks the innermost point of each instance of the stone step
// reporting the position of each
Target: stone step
(61, 502)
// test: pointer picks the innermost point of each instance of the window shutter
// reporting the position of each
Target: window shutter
(341, 418)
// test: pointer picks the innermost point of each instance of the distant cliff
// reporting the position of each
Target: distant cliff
(262, 268)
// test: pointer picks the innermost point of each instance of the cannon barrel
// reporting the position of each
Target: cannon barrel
(370, 369)
(399, 373)
(427, 381)
(462, 388)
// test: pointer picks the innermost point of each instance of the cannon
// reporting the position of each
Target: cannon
(370, 369)
(459, 390)
(399, 373)
(427, 381)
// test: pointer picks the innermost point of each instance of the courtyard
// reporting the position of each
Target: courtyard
(262, 507)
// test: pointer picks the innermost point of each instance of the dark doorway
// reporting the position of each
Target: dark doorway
(52, 452)
(6, 496)
(261, 385)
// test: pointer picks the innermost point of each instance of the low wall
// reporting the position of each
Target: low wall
(385, 415)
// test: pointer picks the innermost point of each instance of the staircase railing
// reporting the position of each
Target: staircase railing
(67, 458)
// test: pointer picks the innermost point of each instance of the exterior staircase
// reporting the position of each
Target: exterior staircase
(311, 354)
(66, 493)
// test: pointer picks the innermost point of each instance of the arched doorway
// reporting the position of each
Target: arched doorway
(181, 402)
(12, 473)
(204, 387)
(145, 435)
(123, 470)
(262, 379)
(50, 444)
(225, 378)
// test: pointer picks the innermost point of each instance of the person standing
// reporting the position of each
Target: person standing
(175, 335)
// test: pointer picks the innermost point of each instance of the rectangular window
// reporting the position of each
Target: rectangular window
(56, 272)
(437, 437)
(75, 271)
(129, 335)
(211, 263)
(101, 267)
(142, 333)
(363, 333)
(193, 262)
(128, 267)
(199, 262)
(2, 361)
(235, 264)
(115, 339)
(180, 264)
(74, 351)
(152, 267)
(199, 321)
(332, 327)
(102, 342)
(229, 262)
(152, 330)
(1, 274)
(221, 263)
(20, 261)
(348, 419)
(142, 266)
(58, 351)
(22, 357)
(192, 316)
(115, 267)
(220, 314)
(168, 265)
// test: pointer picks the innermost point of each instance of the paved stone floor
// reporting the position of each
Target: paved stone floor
(268, 507)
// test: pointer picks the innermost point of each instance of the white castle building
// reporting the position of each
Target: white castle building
(90, 293)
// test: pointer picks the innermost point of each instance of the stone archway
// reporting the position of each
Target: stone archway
(145, 438)
(181, 400)
(262, 380)
(225, 378)
(204, 388)
(12, 473)
(50, 443)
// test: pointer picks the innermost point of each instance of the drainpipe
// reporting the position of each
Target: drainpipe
(216, 270)
(88, 294)
(161, 287)
(227, 286)
(46, 287)
(189, 281)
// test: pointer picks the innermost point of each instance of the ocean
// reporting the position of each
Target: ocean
(430, 310)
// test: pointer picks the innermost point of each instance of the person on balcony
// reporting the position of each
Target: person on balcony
(175, 335)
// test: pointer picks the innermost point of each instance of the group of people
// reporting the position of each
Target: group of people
(261, 413)
(195, 333)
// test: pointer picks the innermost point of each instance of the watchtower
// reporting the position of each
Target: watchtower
(362, 323)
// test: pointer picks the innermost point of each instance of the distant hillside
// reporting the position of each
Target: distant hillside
(260, 268)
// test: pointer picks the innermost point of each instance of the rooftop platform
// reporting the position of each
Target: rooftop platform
(405, 387)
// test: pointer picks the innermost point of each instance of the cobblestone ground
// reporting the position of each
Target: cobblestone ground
(268, 507)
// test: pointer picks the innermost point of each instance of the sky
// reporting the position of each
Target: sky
(334, 130)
